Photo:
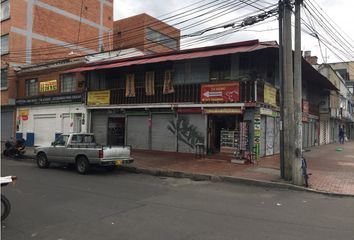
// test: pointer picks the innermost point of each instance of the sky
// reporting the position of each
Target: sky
(341, 13)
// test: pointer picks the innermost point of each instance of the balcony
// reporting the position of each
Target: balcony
(188, 93)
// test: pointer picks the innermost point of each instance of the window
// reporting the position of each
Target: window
(344, 74)
(4, 44)
(162, 39)
(31, 87)
(3, 78)
(68, 83)
(220, 68)
(5, 10)
(61, 140)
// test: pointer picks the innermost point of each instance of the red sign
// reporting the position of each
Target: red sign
(222, 92)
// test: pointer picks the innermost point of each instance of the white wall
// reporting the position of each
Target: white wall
(60, 111)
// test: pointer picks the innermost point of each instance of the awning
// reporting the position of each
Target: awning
(248, 46)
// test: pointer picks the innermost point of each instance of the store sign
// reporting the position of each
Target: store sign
(225, 92)
(71, 98)
(95, 98)
(267, 112)
(223, 110)
(48, 86)
(270, 95)
(23, 114)
(257, 134)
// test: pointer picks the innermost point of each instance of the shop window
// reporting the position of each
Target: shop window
(4, 44)
(31, 87)
(68, 83)
(4, 78)
(5, 10)
(220, 68)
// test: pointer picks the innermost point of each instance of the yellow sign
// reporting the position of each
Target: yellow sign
(98, 98)
(223, 111)
(23, 114)
(48, 86)
(270, 94)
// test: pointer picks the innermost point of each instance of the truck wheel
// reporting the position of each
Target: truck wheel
(5, 207)
(82, 165)
(42, 161)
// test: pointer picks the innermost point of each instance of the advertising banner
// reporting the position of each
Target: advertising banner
(223, 110)
(222, 92)
(23, 114)
(270, 94)
(95, 98)
(48, 86)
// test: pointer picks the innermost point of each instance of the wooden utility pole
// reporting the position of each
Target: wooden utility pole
(296, 171)
(281, 92)
(288, 96)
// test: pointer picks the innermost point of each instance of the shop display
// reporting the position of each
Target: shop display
(229, 141)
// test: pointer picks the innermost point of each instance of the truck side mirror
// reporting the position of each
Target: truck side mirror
(53, 144)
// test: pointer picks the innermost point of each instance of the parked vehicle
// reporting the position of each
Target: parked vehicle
(15, 149)
(81, 150)
(5, 203)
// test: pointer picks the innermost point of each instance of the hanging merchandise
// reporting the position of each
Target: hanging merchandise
(257, 134)
(243, 136)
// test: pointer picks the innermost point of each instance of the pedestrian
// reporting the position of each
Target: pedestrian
(341, 135)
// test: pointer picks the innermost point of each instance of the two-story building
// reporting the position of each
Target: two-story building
(223, 97)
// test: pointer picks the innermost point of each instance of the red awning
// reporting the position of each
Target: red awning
(182, 55)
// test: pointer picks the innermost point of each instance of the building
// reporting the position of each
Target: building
(224, 98)
(336, 108)
(145, 33)
(35, 31)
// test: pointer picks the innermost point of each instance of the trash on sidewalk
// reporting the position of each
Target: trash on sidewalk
(338, 149)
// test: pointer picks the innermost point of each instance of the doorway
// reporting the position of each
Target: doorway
(218, 123)
(116, 131)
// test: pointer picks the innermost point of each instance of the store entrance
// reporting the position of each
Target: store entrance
(116, 131)
(218, 124)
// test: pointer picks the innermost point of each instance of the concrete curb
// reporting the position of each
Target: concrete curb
(229, 179)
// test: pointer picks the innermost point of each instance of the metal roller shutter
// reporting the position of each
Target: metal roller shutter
(162, 138)
(269, 136)
(99, 126)
(44, 129)
(7, 121)
(263, 136)
(191, 129)
(137, 130)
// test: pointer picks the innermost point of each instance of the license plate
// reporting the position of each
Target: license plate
(119, 162)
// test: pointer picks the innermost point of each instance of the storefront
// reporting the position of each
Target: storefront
(40, 120)
(7, 122)
(151, 129)
(270, 132)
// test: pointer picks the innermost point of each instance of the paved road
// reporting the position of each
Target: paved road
(59, 204)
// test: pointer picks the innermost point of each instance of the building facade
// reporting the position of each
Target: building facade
(36, 31)
(224, 98)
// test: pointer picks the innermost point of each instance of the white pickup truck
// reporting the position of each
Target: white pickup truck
(81, 150)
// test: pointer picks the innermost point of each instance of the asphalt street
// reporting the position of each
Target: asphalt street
(59, 204)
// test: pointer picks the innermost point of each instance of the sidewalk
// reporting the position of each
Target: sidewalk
(332, 171)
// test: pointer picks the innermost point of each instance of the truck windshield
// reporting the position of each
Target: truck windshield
(62, 140)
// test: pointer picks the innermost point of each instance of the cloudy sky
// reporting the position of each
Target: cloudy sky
(340, 11)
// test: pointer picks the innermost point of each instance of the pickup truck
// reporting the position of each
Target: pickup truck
(81, 150)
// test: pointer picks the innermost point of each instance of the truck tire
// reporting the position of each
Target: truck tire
(5, 207)
(82, 165)
(42, 160)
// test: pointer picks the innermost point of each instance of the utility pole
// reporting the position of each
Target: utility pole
(288, 84)
(296, 171)
(281, 92)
